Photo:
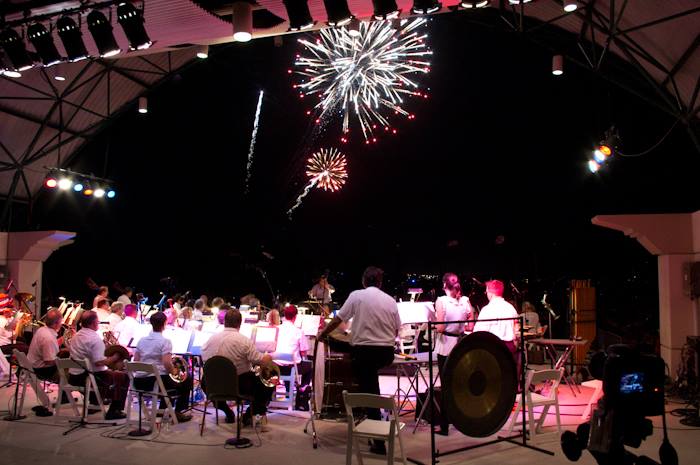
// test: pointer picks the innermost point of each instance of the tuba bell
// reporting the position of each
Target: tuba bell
(269, 374)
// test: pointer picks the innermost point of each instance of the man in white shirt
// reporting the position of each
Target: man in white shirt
(498, 308)
(102, 294)
(375, 325)
(87, 344)
(230, 343)
(127, 327)
(157, 350)
(125, 298)
(103, 311)
(45, 346)
(292, 346)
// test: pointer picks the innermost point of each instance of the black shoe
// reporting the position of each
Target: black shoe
(247, 419)
(116, 415)
(92, 411)
(41, 411)
(443, 431)
(183, 417)
(378, 447)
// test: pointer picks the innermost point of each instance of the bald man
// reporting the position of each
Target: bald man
(44, 347)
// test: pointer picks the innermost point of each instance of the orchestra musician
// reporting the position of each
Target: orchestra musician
(102, 310)
(102, 294)
(116, 315)
(8, 323)
(127, 327)
(375, 326)
(157, 350)
(292, 341)
(452, 306)
(230, 343)
(87, 344)
(125, 298)
(497, 307)
(321, 291)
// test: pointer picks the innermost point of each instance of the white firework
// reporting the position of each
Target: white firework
(367, 76)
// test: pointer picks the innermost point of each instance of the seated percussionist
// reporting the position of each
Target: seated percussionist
(87, 344)
(230, 343)
(157, 350)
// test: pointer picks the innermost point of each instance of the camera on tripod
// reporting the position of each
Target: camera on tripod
(633, 389)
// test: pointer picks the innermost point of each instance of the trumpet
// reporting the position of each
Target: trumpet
(269, 374)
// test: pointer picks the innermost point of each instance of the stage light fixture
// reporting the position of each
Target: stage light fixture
(202, 52)
(6, 68)
(593, 166)
(299, 14)
(88, 191)
(51, 182)
(570, 5)
(102, 34)
(338, 12)
(243, 21)
(518, 2)
(385, 9)
(354, 27)
(78, 187)
(111, 194)
(131, 20)
(472, 4)
(424, 7)
(42, 41)
(15, 50)
(99, 193)
(143, 105)
(72, 39)
(65, 183)
(557, 65)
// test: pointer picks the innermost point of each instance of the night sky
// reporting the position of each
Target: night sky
(499, 149)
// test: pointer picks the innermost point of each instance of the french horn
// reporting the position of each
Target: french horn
(182, 367)
(269, 374)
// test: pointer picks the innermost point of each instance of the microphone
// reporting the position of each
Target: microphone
(9, 285)
(515, 289)
(477, 281)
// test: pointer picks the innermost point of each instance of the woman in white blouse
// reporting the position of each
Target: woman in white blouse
(452, 306)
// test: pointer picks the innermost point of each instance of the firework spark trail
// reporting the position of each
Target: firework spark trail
(253, 137)
(365, 76)
(306, 191)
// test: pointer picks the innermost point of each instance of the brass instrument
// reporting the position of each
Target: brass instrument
(182, 367)
(110, 339)
(112, 347)
(269, 374)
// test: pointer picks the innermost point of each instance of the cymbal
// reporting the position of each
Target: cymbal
(479, 384)
(24, 296)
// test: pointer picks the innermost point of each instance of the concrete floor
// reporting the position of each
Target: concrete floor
(40, 441)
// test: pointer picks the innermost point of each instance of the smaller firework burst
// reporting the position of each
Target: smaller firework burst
(328, 167)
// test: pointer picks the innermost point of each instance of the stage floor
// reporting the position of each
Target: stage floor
(37, 440)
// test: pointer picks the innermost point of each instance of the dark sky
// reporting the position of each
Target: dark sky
(499, 148)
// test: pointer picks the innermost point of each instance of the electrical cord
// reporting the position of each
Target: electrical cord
(633, 155)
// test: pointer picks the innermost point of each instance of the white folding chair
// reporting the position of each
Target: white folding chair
(408, 339)
(136, 369)
(372, 429)
(28, 377)
(547, 383)
(290, 380)
(90, 386)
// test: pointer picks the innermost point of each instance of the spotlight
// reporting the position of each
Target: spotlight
(6, 69)
(243, 21)
(518, 2)
(570, 5)
(471, 4)
(15, 50)
(202, 52)
(299, 14)
(99, 193)
(42, 41)
(65, 183)
(593, 166)
(51, 182)
(354, 27)
(131, 20)
(606, 148)
(88, 191)
(72, 39)
(78, 187)
(557, 65)
(385, 9)
(338, 12)
(143, 105)
(424, 7)
(111, 194)
(101, 31)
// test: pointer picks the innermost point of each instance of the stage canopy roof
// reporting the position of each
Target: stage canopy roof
(45, 122)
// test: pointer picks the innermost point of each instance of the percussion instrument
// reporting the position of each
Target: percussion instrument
(479, 384)
(332, 375)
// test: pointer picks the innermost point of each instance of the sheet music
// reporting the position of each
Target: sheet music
(266, 338)
(180, 338)
(416, 312)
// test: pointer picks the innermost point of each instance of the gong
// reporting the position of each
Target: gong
(479, 385)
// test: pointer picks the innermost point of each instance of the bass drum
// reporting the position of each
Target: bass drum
(332, 375)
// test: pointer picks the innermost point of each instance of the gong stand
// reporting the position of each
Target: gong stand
(517, 439)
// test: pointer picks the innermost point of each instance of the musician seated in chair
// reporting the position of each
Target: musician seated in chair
(291, 341)
(230, 343)
(157, 350)
(7, 328)
(44, 347)
(127, 327)
(88, 345)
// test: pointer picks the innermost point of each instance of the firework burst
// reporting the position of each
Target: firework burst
(328, 167)
(365, 77)
(326, 170)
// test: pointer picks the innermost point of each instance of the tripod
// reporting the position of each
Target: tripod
(140, 431)
(14, 415)
(83, 423)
